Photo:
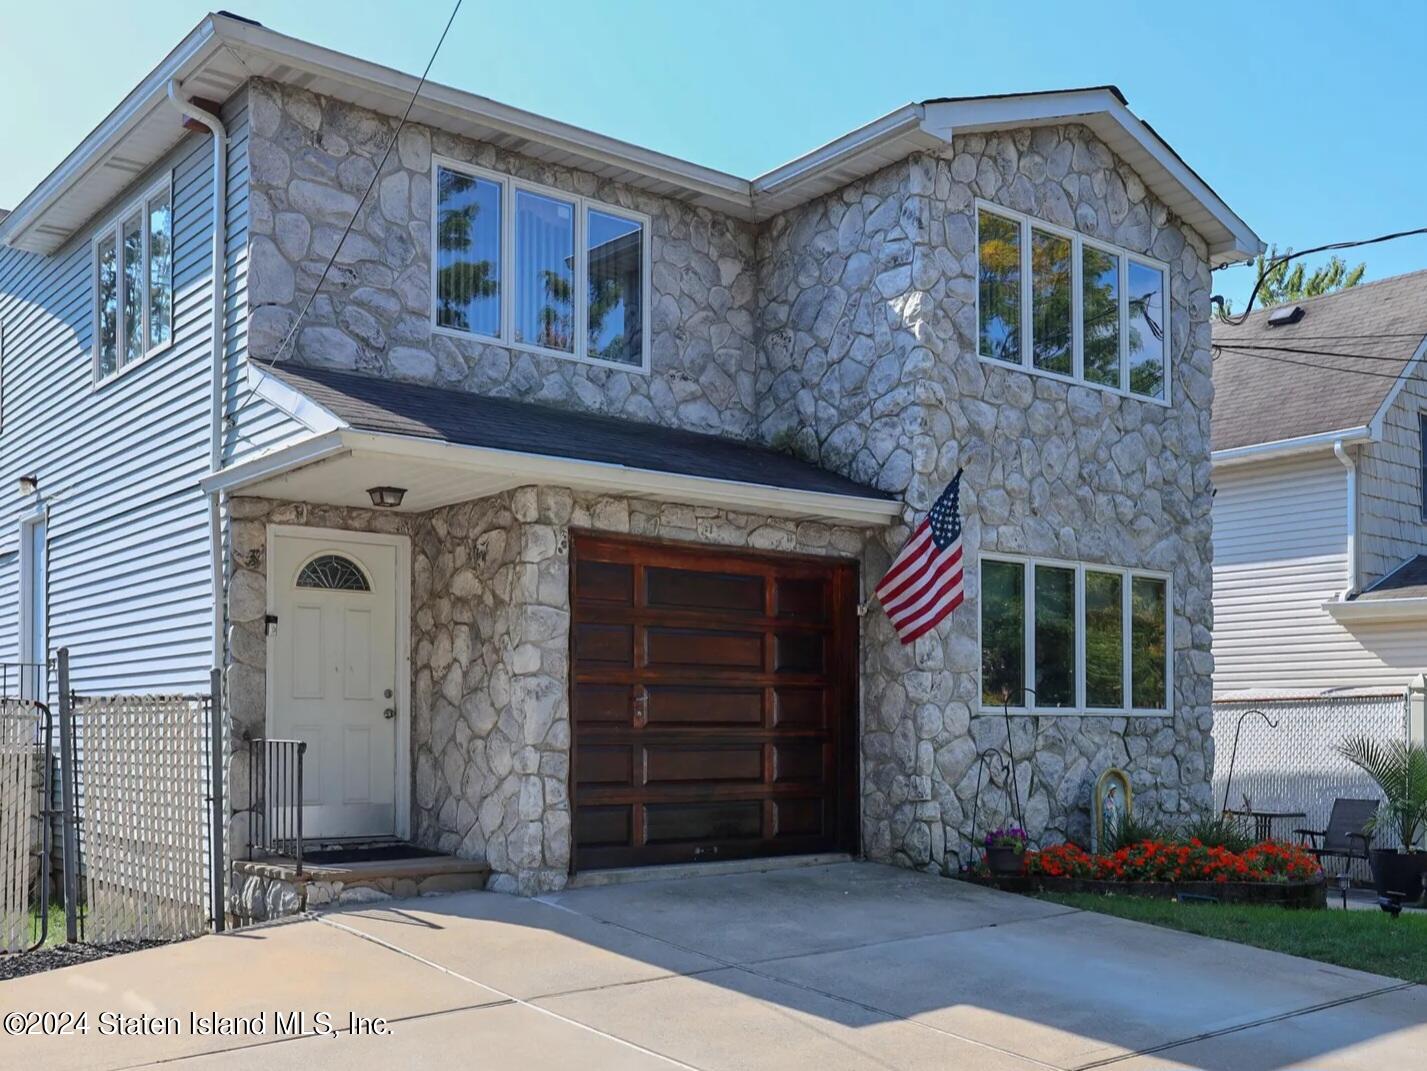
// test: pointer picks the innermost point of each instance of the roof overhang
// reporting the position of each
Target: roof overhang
(336, 468)
(223, 52)
(1384, 609)
(1134, 141)
(1303, 444)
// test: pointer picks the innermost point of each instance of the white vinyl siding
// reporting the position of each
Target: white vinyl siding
(1391, 527)
(129, 589)
(1280, 552)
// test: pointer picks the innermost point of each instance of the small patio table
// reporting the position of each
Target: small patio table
(1264, 818)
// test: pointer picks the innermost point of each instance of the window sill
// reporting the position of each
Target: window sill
(139, 362)
(1059, 377)
(540, 351)
(1066, 712)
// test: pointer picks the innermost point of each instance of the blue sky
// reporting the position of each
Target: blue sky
(1310, 119)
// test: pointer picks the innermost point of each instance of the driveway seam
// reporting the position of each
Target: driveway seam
(328, 921)
(1240, 1027)
(747, 968)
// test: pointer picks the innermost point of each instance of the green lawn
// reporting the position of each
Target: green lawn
(1364, 940)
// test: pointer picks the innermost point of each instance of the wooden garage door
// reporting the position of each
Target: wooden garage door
(713, 699)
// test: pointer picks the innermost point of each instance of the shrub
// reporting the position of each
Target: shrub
(1216, 831)
(1131, 830)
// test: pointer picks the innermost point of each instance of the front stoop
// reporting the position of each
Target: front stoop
(272, 888)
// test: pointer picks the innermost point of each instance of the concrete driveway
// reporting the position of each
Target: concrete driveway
(849, 965)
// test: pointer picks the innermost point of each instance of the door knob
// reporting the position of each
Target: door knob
(389, 713)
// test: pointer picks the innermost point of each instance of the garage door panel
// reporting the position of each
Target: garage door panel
(673, 706)
(704, 592)
(698, 823)
(705, 764)
(799, 708)
(610, 582)
(799, 652)
(607, 765)
(703, 648)
(602, 703)
(609, 826)
(610, 645)
(712, 703)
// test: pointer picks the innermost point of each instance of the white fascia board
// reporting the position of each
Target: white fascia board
(906, 120)
(292, 402)
(276, 462)
(18, 228)
(606, 476)
(1303, 444)
(260, 41)
(1407, 609)
(1239, 242)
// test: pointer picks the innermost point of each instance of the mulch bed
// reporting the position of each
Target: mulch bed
(1286, 894)
(52, 957)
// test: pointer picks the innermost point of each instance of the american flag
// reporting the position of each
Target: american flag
(924, 583)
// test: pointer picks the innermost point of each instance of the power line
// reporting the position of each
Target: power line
(381, 166)
(1304, 351)
(1284, 258)
(1309, 364)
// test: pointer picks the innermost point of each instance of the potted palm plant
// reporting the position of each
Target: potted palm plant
(1399, 770)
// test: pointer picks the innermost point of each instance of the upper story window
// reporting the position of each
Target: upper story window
(133, 283)
(1060, 304)
(1072, 638)
(538, 269)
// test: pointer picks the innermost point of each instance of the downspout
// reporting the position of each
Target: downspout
(218, 737)
(1340, 449)
(220, 293)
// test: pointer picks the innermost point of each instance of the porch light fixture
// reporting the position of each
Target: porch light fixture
(29, 484)
(386, 497)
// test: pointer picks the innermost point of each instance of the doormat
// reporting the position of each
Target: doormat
(376, 853)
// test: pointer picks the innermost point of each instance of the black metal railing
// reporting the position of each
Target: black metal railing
(275, 798)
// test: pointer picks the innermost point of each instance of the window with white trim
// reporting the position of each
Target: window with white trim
(1057, 303)
(133, 283)
(1074, 638)
(539, 269)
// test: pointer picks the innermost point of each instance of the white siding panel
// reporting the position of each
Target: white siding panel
(1280, 552)
(119, 467)
(1390, 486)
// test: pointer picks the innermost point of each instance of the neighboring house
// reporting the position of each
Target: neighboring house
(644, 436)
(1320, 512)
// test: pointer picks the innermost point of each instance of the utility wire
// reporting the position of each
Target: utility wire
(1284, 258)
(279, 355)
(1305, 352)
(1309, 364)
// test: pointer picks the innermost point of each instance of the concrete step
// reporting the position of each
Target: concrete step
(272, 888)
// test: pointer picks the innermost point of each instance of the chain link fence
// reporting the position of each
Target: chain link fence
(1295, 766)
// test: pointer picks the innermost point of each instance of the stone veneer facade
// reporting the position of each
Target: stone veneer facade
(843, 330)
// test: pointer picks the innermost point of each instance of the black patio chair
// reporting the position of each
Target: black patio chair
(1345, 837)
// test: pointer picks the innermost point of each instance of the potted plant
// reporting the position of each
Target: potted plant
(1399, 770)
(1004, 850)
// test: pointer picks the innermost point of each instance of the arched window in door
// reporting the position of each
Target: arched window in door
(333, 572)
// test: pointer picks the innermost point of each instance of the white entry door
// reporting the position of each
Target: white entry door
(333, 660)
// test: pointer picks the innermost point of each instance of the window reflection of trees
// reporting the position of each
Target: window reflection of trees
(464, 282)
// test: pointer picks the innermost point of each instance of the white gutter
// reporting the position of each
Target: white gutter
(1340, 449)
(1405, 609)
(220, 293)
(520, 468)
(1303, 444)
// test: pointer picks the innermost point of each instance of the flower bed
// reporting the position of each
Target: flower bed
(1270, 872)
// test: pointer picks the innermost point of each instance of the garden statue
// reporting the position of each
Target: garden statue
(1113, 804)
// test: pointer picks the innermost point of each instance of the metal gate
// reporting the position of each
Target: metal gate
(24, 823)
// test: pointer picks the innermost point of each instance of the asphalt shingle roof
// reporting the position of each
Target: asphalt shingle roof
(1307, 386)
(382, 405)
(1407, 581)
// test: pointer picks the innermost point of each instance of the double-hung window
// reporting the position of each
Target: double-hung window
(1075, 638)
(1058, 303)
(133, 283)
(539, 269)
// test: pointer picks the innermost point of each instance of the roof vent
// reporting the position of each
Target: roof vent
(1285, 315)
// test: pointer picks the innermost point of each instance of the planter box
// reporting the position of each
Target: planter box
(1308, 894)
